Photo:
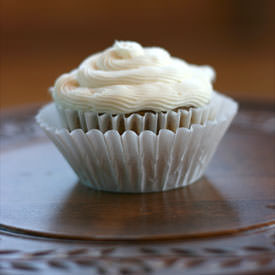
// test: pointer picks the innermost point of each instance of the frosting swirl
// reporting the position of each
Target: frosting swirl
(126, 78)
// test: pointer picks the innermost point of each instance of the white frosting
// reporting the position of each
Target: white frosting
(127, 78)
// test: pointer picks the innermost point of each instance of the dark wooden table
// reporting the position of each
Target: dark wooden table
(222, 224)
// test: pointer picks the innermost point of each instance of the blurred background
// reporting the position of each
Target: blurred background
(42, 39)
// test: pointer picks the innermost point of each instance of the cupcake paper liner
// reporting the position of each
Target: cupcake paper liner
(171, 120)
(145, 162)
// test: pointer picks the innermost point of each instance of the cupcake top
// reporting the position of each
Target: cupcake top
(127, 78)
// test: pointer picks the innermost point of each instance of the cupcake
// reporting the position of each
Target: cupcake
(135, 119)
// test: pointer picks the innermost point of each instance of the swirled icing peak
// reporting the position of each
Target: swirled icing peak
(127, 78)
(128, 49)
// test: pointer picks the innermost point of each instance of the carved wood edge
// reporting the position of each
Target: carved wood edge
(200, 256)
(220, 233)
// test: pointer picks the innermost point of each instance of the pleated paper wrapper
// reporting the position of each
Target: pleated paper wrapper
(171, 120)
(139, 162)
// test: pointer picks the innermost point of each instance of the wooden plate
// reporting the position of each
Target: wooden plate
(40, 195)
(43, 208)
